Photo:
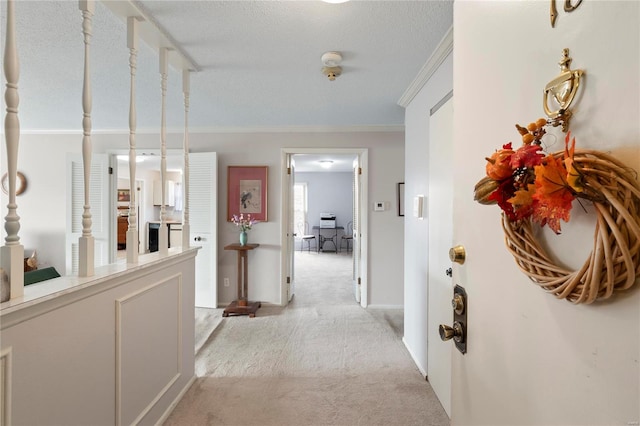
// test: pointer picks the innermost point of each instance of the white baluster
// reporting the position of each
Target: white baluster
(163, 232)
(12, 253)
(86, 242)
(132, 231)
(186, 231)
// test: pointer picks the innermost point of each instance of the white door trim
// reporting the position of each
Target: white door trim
(363, 157)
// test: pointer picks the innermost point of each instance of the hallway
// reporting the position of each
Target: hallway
(321, 360)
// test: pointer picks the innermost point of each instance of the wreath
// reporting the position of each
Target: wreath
(533, 187)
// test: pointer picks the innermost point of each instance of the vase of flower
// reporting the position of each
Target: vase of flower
(244, 223)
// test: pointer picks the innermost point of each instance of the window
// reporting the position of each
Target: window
(299, 205)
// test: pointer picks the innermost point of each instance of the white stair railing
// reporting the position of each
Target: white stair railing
(12, 253)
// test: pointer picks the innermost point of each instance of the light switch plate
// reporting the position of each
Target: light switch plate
(418, 201)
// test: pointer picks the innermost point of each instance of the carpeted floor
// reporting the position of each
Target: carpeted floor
(322, 360)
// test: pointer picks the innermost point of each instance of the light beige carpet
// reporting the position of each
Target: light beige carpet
(322, 360)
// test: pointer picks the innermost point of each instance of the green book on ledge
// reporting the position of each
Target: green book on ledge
(38, 275)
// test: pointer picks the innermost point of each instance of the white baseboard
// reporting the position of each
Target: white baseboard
(375, 306)
(422, 370)
(175, 402)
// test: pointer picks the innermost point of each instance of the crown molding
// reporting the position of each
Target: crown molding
(222, 129)
(435, 60)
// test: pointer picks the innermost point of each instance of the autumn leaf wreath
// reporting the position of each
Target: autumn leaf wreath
(531, 186)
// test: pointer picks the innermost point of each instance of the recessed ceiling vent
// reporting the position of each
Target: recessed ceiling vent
(331, 62)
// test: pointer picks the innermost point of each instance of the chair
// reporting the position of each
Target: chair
(348, 236)
(303, 231)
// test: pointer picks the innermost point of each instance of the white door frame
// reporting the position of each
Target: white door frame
(363, 159)
(440, 214)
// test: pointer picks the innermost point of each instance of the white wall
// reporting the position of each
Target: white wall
(416, 230)
(42, 206)
(533, 359)
(330, 192)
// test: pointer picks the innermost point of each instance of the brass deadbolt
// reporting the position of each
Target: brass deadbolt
(457, 254)
(457, 303)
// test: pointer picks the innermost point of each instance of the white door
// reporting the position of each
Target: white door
(291, 230)
(357, 287)
(99, 201)
(203, 194)
(440, 217)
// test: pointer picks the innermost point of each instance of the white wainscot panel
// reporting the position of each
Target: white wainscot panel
(148, 347)
(115, 348)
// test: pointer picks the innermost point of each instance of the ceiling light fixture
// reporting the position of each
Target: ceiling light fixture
(331, 61)
(326, 164)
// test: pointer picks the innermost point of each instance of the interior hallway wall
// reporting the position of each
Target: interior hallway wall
(416, 230)
(43, 213)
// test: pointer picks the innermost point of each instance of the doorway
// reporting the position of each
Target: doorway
(323, 215)
(147, 179)
(305, 164)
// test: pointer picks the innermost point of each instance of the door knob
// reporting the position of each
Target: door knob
(456, 332)
(457, 254)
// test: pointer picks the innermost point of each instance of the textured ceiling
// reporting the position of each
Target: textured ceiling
(259, 63)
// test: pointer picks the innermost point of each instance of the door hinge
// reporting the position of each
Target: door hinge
(359, 170)
(288, 280)
(288, 170)
(110, 170)
(359, 281)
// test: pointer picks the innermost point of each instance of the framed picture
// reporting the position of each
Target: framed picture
(247, 191)
(401, 199)
(123, 195)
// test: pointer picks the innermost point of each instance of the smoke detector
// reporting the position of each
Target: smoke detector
(331, 61)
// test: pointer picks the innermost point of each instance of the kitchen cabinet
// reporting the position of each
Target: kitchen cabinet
(123, 226)
(169, 195)
(175, 234)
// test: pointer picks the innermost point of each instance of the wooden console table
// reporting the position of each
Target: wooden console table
(242, 306)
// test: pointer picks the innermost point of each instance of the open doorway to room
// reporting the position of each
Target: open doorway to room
(148, 199)
(324, 194)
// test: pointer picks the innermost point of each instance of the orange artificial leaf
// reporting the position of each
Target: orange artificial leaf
(522, 201)
(553, 196)
(574, 178)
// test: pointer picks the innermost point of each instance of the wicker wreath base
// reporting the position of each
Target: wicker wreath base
(614, 262)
